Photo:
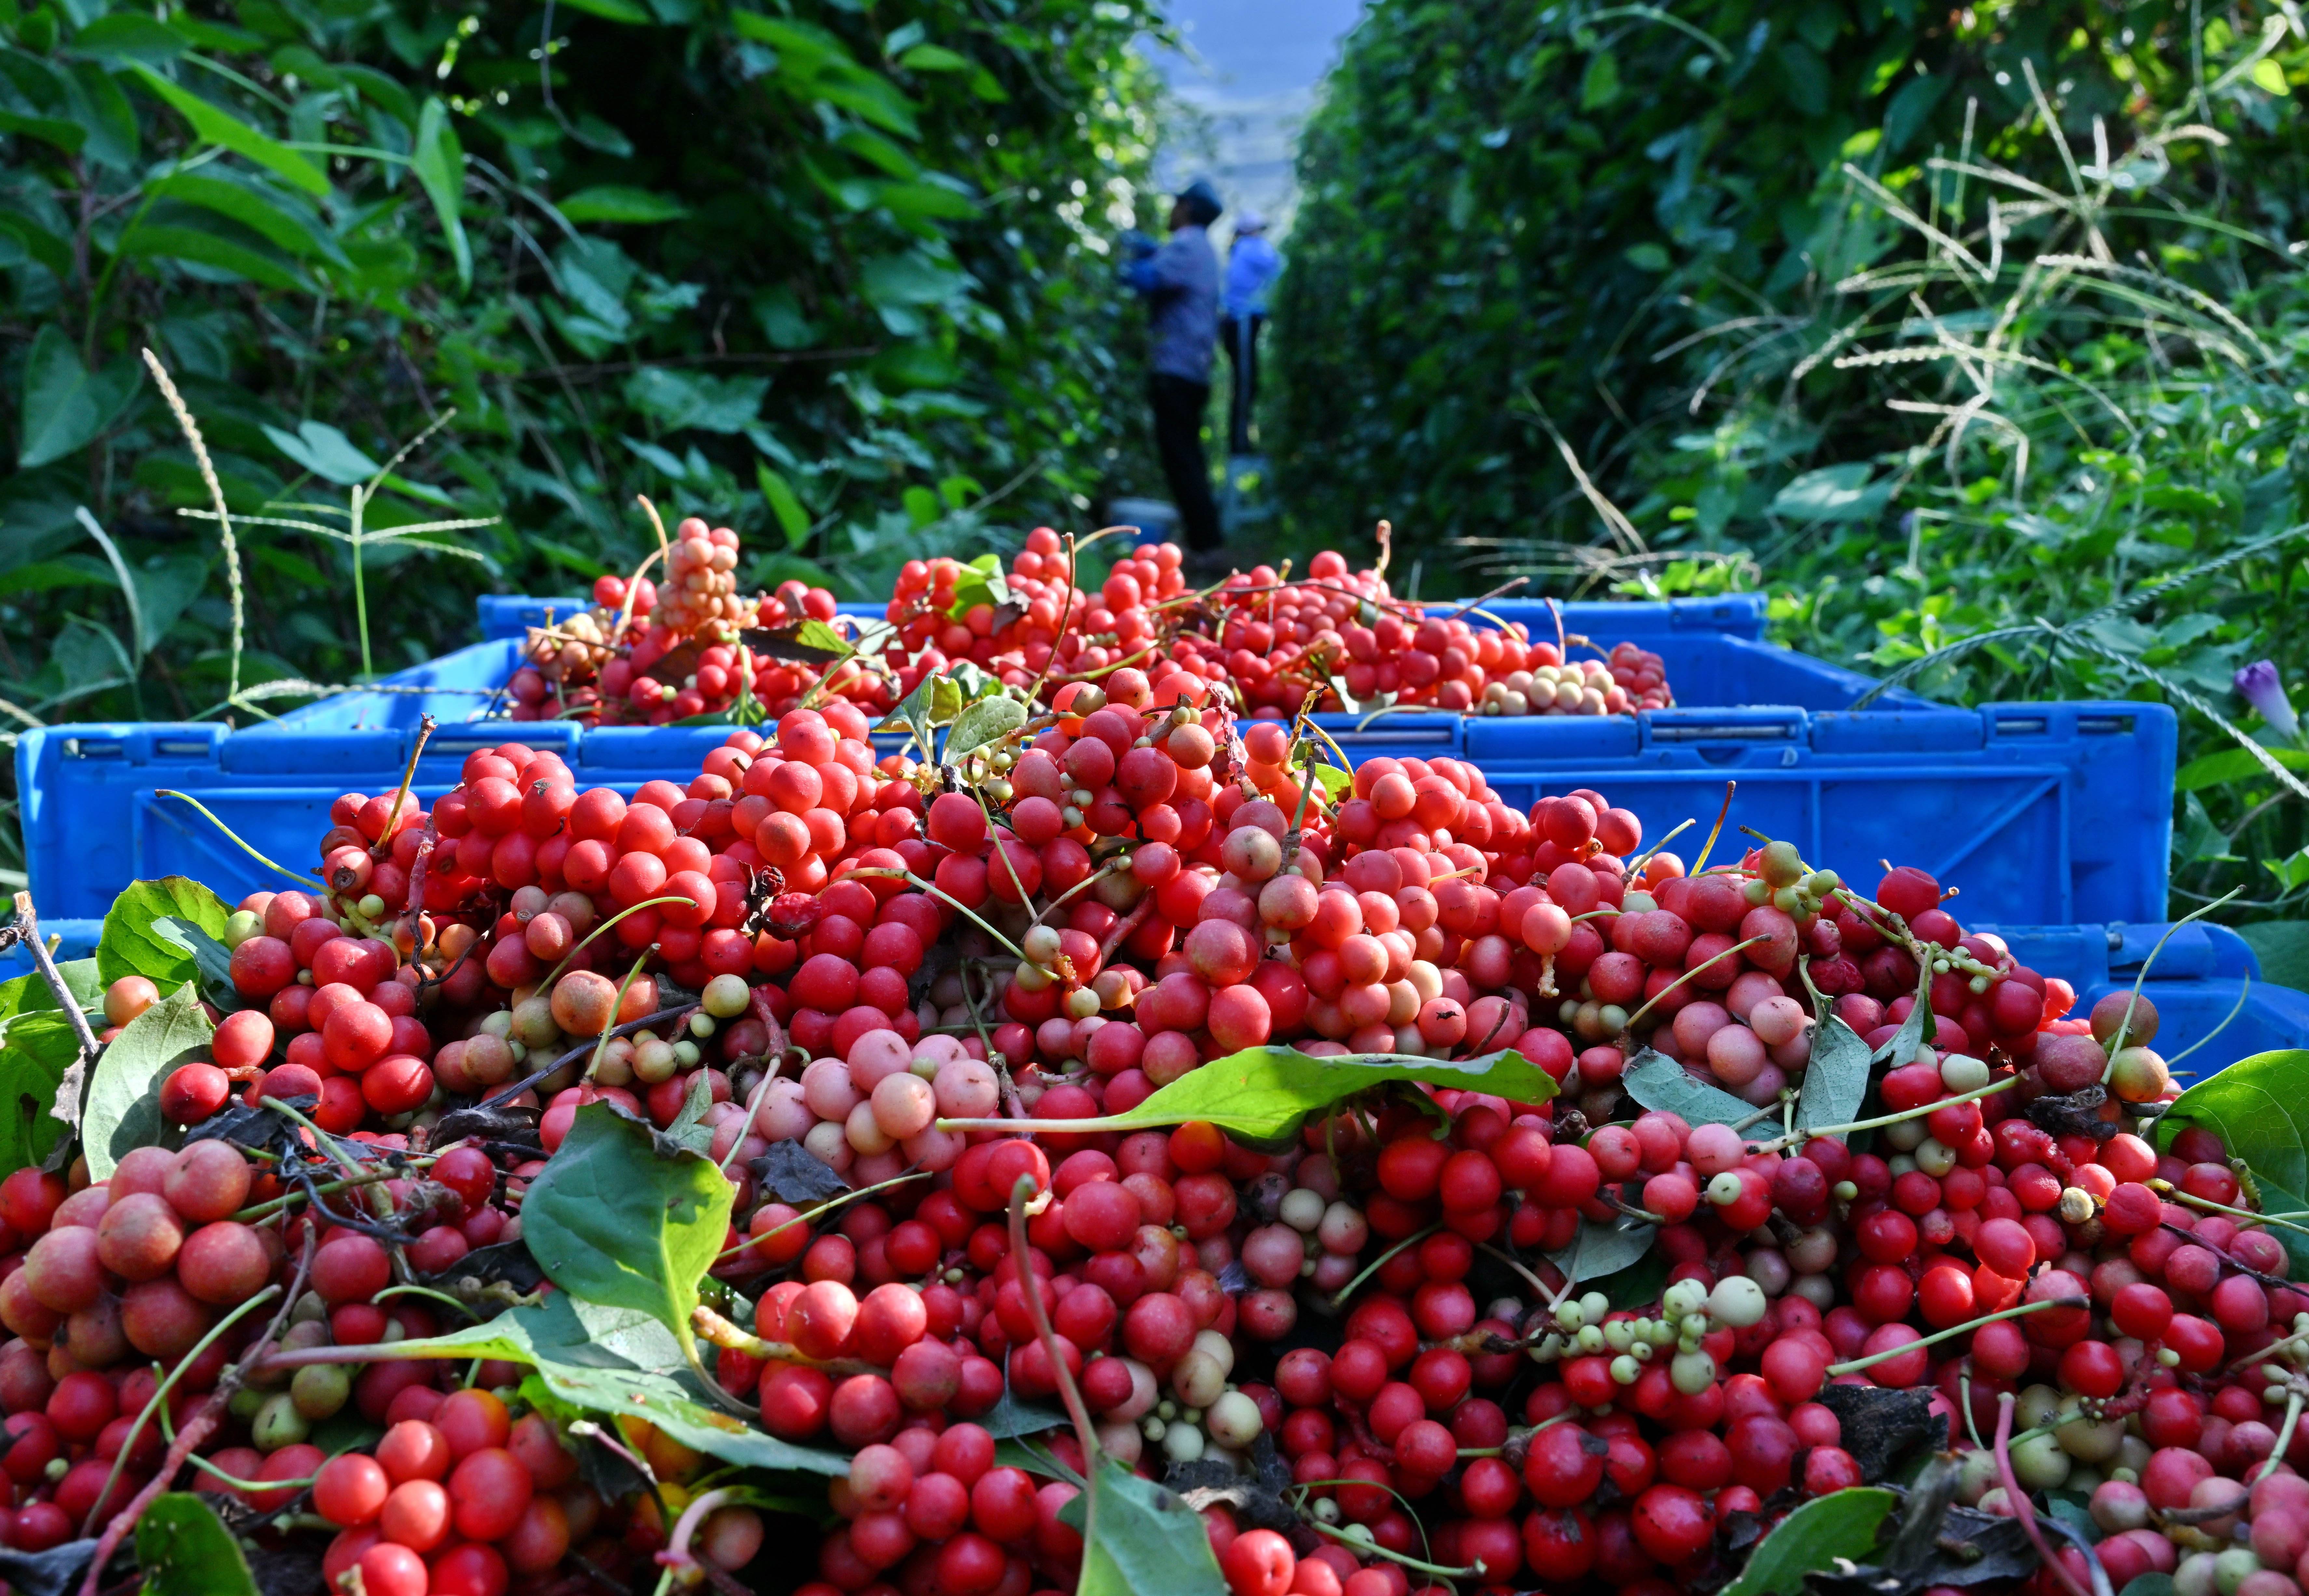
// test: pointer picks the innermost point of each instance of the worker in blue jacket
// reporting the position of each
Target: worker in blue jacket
(1251, 265)
(1180, 282)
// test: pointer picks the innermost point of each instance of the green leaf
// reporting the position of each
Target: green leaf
(1603, 1248)
(1599, 85)
(932, 57)
(2268, 75)
(982, 581)
(130, 36)
(183, 1549)
(597, 1358)
(1833, 493)
(211, 959)
(1841, 1524)
(619, 205)
(37, 1048)
(1334, 782)
(1261, 1096)
(1836, 1082)
(2233, 764)
(2151, 1584)
(202, 245)
(31, 994)
(616, 11)
(1146, 1540)
(1658, 1081)
(129, 945)
(124, 1090)
(982, 723)
(439, 162)
(323, 450)
(249, 203)
(215, 124)
(65, 407)
(623, 1218)
(2283, 949)
(2259, 1107)
(792, 518)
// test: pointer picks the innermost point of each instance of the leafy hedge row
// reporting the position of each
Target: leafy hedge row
(833, 274)
(1961, 330)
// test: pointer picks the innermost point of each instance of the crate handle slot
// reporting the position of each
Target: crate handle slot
(84, 748)
(2105, 725)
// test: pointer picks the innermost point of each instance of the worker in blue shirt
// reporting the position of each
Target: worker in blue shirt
(1251, 265)
(1180, 282)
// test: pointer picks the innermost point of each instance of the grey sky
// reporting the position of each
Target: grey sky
(1252, 69)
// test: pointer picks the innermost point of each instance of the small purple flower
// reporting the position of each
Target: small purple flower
(2261, 688)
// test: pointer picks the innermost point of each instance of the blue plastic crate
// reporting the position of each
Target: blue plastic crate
(2037, 812)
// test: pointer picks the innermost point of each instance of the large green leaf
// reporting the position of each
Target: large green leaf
(1658, 1081)
(1836, 1082)
(124, 1090)
(37, 1048)
(65, 405)
(31, 994)
(269, 214)
(983, 722)
(130, 36)
(324, 451)
(2259, 1107)
(1148, 1539)
(130, 945)
(605, 1359)
(1261, 1096)
(439, 162)
(630, 207)
(205, 245)
(623, 1218)
(216, 125)
(1841, 1524)
(2234, 764)
(183, 1549)
(1605, 1248)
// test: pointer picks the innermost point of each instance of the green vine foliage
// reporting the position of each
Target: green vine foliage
(1976, 336)
(834, 275)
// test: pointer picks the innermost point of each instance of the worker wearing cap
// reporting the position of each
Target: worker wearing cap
(1181, 282)
(1251, 265)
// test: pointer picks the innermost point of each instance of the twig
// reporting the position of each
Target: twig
(27, 927)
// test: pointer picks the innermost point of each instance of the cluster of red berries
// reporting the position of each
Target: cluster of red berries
(1336, 637)
(936, 984)
(650, 653)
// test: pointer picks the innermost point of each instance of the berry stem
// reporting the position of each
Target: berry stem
(715, 1331)
(303, 878)
(27, 930)
(167, 1385)
(1405, 1558)
(1636, 865)
(2270, 1350)
(1882, 1120)
(2243, 992)
(1714, 831)
(553, 975)
(602, 1047)
(383, 846)
(1347, 1290)
(916, 882)
(2132, 1003)
(2166, 1189)
(1537, 1284)
(1066, 607)
(2284, 1436)
(752, 1107)
(1030, 1287)
(823, 1209)
(2023, 1508)
(1856, 1365)
(1650, 1002)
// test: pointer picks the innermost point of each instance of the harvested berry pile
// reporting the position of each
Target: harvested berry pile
(1127, 1151)
(1269, 645)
